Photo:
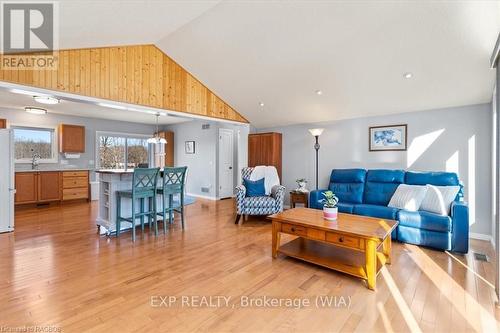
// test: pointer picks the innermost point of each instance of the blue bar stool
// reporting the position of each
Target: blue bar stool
(173, 183)
(144, 186)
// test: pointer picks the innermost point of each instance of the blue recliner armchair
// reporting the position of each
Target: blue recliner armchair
(368, 192)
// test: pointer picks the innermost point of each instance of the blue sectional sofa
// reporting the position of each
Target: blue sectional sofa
(368, 192)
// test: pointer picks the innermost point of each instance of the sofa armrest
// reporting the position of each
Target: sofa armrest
(240, 195)
(460, 227)
(278, 193)
(315, 197)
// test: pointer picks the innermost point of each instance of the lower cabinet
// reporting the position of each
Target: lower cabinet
(48, 186)
(26, 187)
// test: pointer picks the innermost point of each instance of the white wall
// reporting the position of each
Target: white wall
(87, 159)
(453, 139)
(203, 165)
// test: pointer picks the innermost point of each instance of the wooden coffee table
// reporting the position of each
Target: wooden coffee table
(355, 245)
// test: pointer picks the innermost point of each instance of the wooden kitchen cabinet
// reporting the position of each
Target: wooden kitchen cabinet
(49, 186)
(3, 123)
(169, 147)
(71, 138)
(26, 187)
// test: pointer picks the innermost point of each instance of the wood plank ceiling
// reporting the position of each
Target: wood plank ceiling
(140, 74)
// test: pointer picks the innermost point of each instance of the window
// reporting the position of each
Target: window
(33, 140)
(115, 151)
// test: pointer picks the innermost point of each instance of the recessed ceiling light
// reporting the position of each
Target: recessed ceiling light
(261, 104)
(319, 92)
(35, 110)
(46, 100)
(408, 75)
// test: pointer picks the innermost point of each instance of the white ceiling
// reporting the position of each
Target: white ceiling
(91, 23)
(281, 52)
(14, 101)
(356, 52)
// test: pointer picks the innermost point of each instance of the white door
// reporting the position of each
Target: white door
(6, 182)
(226, 158)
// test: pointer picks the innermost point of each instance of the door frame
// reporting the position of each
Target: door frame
(219, 162)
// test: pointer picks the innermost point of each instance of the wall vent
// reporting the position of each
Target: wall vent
(205, 189)
(205, 126)
(481, 257)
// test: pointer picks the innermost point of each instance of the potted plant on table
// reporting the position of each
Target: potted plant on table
(330, 209)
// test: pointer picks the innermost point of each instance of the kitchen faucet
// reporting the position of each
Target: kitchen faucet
(35, 161)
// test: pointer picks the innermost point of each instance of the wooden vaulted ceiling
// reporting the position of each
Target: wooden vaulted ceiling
(140, 74)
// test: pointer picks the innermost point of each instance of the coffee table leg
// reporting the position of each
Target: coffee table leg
(276, 238)
(386, 247)
(371, 263)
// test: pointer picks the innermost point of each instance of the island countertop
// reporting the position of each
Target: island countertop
(115, 171)
(53, 170)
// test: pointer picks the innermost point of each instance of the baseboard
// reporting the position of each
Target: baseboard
(484, 237)
(202, 196)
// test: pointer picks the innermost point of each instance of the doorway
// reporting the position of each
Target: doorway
(226, 160)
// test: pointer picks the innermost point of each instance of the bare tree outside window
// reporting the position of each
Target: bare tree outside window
(29, 141)
(116, 152)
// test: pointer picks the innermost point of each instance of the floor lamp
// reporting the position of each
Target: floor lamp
(316, 132)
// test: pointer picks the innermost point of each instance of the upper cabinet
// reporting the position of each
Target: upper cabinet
(3, 123)
(71, 138)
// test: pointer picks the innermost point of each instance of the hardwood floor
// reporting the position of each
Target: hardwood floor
(55, 270)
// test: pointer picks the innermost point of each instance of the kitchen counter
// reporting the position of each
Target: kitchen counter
(53, 170)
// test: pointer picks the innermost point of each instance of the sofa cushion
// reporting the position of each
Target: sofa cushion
(408, 197)
(345, 207)
(382, 212)
(438, 199)
(348, 184)
(348, 192)
(381, 185)
(348, 176)
(259, 202)
(255, 188)
(424, 220)
(433, 178)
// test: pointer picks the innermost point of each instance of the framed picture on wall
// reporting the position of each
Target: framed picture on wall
(190, 147)
(388, 138)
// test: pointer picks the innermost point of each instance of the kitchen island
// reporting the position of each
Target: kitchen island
(111, 181)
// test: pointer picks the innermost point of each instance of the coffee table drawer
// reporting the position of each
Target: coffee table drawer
(343, 240)
(294, 229)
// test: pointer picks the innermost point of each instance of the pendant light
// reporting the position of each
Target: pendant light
(156, 138)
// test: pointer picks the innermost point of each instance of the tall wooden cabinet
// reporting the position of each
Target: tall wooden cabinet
(265, 149)
(3, 123)
(169, 147)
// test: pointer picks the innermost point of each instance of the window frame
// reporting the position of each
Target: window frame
(55, 143)
(126, 136)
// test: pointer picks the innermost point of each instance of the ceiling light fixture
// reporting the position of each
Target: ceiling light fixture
(261, 104)
(408, 75)
(22, 92)
(156, 138)
(319, 92)
(46, 100)
(113, 106)
(35, 110)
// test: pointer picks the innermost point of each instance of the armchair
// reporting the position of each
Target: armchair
(264, 205)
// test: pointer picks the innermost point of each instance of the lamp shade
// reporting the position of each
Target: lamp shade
(316, 131)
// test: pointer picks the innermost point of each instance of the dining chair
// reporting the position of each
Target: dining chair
(144, 186)
(173, 184)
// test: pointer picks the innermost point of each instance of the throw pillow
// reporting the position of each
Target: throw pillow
(408, 197)
(255, 188)
(439, 198)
